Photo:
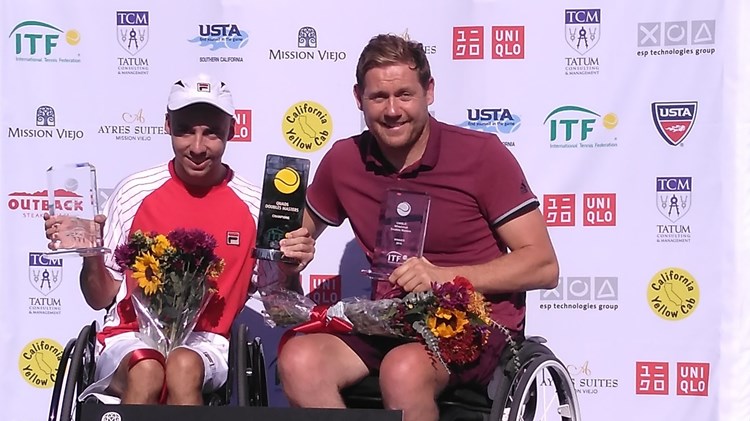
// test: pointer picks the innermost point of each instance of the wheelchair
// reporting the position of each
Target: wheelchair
(246, 380)
(521, 380)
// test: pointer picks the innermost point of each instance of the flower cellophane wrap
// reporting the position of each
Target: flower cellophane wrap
(452, 319)
(174, 277)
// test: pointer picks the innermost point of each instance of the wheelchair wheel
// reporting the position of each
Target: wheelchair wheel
(257, 375)
(74, 373)
(526, 394)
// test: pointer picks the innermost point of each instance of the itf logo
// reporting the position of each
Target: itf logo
(673, 120)
(571, 125)
(508, 42)
(38, 42)
(652, 378)
(132, 31)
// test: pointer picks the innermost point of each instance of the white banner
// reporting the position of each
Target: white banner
(618, 113)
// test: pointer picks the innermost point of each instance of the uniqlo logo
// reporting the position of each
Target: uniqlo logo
(242, 126)
(325, 289)
(560, 210)
(651, 378)
(468, 42)
(599, 210)
(692, 379)
(508, 42)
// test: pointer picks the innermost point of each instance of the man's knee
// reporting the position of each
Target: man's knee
(145, 375)
(184, 370)
(322, 357)
(410, 368)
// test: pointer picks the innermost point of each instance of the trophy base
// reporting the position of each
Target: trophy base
(87, 251)
(273, 255)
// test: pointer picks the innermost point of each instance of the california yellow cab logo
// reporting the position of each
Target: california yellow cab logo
(38, 362)
(673, 294)
(307, 126)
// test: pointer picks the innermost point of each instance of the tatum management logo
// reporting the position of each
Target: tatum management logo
(218, 37)
(307, 126)
(39, 42)
(673, 120)
(38, 362)
(307, 49)
(676, 38)
(582, 33)
(45, 275)
(132, 35)
(571, 126)
(673, 200)
(673, 294)
(46, 127)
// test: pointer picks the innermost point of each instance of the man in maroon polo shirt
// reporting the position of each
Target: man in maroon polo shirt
(484, 224)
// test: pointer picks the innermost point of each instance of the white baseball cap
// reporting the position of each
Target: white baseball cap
(200, 89)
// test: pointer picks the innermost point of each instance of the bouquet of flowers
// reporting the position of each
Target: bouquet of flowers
(175, 276)
(452, 319)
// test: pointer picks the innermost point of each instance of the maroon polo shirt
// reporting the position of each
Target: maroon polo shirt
(475, 184)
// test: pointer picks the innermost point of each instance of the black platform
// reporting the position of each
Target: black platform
(97, 411)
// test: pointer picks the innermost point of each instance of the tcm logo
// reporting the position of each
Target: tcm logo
(307, 49)
(132, 31)
(325, 289)
(582, 29)
(45, 274)
(36, 41)
(34, 205)
(242, 126)
(599, 209)
(678, 33)
(673, 196)
(508, 42)
(673, 120)
(582, 293)
(571, 126)
(653, 378)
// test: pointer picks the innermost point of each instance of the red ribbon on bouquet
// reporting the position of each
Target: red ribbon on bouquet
(318, 323)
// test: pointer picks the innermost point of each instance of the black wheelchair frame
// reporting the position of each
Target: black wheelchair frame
(246, 379)
(511, 395)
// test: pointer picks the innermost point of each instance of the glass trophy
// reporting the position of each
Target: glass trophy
(282, 204)
(401, 233)
(73, 198)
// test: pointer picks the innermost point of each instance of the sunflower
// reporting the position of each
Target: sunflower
(160, 246)
(147, 272)
(479, 307)
(447, 323)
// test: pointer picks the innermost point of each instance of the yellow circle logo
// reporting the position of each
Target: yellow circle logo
(38, 362)
(286, 180)
(307, 126)
(673, 294)
(610, 121)
(73, 37)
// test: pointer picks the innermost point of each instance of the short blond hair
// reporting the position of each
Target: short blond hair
(389, 49)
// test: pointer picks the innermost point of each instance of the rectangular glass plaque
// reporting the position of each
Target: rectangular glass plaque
(282, 204)
(401, 232)
(72, 196)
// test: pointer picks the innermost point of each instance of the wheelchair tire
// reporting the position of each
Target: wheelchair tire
(564, 388)
(240, 346)
(75, 369)
(258, 384)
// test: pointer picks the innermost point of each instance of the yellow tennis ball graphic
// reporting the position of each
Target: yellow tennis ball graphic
(286, 180)
(73, 37)
(610, 121)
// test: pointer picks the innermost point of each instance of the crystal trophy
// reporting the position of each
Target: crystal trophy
(282, 204)
(73, 198)
(401, 233)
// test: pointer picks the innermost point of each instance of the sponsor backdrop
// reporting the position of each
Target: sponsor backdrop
(617, 113)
